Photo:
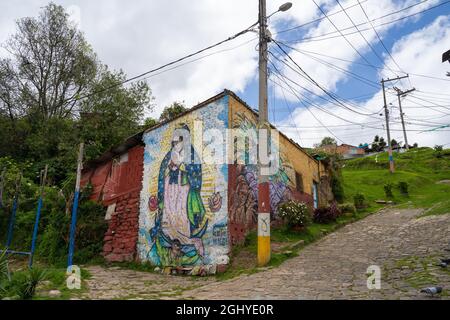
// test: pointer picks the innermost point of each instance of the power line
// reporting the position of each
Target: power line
(314, 38)
(307, 108)
(331, 14)
(332, 96)
(379, 38)
(340, 32)
(317, 20)
(356, 62)
(361, 34)
(165, 65)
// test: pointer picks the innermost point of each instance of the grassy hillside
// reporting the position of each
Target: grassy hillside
(423, 169)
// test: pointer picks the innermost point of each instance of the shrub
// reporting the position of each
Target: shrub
(403, 187)
(327, 214)
(359, 200)
(295, 213)
(22, 284)
(388, 190)
(438, 151)
(347, 208)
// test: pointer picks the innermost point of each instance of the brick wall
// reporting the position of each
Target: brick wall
(118, 182)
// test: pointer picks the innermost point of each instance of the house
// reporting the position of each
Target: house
(345, 150)
(180, 209)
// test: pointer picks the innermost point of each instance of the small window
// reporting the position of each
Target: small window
(299, 182)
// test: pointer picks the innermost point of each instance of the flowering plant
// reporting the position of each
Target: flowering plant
(295, 213)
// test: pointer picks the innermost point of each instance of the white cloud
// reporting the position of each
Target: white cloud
(418, 53)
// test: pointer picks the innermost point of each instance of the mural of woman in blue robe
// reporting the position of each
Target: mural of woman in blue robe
(181, 221)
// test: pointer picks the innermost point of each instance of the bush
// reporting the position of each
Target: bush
(295, 213)
(327, 214)
(438, 151)
(403, 187)
(22, 284)
(359, 200)
(388, 190)
(347, 208)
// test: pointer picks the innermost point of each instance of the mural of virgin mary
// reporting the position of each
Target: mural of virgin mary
(181, 221)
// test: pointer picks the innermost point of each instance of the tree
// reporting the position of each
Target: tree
(327, 141)
(51, 65)
(172, 111)
(43, 114)
(150, 122)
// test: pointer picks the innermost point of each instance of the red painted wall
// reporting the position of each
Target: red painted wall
(120, 182)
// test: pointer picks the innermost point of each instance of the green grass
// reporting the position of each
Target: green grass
(420, 168)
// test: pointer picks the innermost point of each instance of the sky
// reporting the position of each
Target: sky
(337, 92)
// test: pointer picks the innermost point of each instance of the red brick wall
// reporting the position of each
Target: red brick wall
(119, 183)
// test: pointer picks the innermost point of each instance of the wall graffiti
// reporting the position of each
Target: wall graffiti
(244, 188)
(183, 219)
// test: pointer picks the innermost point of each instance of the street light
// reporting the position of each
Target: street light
(284, 7)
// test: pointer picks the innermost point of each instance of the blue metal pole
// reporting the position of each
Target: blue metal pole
(38, 215)
(73, 227)
(12, 220)
(35, 231)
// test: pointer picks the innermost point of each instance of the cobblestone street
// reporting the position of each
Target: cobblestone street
(406, 249)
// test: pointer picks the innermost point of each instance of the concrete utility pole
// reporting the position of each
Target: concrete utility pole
(401, 93)
(386, 113)
(263, 179)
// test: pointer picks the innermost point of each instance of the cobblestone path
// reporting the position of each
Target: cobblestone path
(406, 249)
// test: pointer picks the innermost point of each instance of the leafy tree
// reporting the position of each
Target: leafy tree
(51, 64)
(327, 141)
(150, 122)
(172, 111)
(43, 114)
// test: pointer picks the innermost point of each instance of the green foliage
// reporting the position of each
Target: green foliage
(326, 141)
(295, 213)
(4, 268)
(172, 111)
(438, 151)
(43, 124)
(388, 190)
(22, 284)
(150, 122)
(327, 214)
(347, 208)
(359, 200)
(403, 187)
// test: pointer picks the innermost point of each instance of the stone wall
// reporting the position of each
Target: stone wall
(121, 238)
(117, 185)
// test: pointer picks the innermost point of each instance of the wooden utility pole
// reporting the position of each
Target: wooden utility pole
(401, 93)
(73, 224)
(386, 113)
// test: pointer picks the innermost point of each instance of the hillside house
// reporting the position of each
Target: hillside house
(176, 213)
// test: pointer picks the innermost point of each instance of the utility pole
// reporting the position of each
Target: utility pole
(263, 179)
(386, 113)
(399, 94)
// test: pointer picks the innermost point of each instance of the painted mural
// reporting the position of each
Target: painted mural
(245, 190)
(183, 218)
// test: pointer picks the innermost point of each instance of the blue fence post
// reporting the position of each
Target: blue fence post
(73, 225)
(38, 217)
(12, 219)
(2, 182)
